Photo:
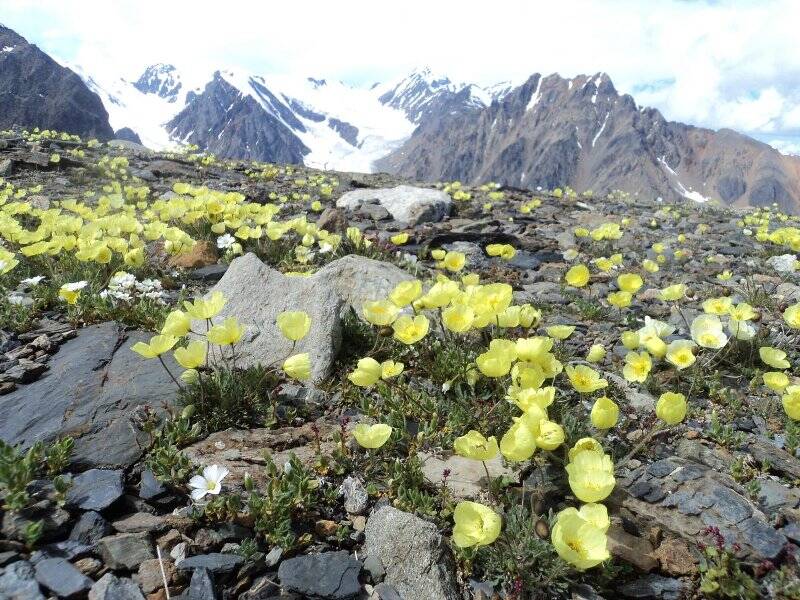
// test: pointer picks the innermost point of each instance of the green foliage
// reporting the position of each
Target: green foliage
(226, 398)
(722, 576)
(15, 317)
(165, 459)
(522, 561)
(32, 533)
(725, 435)
(18, 469)
(288, 495)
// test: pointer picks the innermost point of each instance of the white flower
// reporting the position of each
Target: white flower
(122, 279)
(15, 299)
(75, 286)
(32, 281)
(210, 482)
(225, 241)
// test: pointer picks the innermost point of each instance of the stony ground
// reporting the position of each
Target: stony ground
(707, 507)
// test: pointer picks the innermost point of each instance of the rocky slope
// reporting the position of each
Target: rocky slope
(554, 132)
(378, 524)
(35, 91)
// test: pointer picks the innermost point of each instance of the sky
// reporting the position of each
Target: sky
(713, 63)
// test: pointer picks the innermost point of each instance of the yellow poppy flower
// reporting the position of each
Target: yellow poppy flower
(227, 333)
(410, 330)
(577, 276)
(605, 413)
(157, 346)
(578, 540)
(298, 366)
(671, 407)
(367, 372)
(475, 525)
(776, 380)
(399, 239)
(791, 402)
(774, 357)
(584, 379)
(380, 312)
(406, 292)
(473, 445)
(637, 367)
(294, 324)
(202, 309)
(629, 282)
(591, 475)
(372, 436)
(560, 332)
(192, 356)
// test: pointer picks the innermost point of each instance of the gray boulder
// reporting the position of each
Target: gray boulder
(18, 582)
(257, 294)
(407, 204)
(417, 560)
(95, 390)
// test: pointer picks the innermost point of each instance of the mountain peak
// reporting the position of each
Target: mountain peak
(160, 79)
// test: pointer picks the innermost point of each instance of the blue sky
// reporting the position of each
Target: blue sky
(711, 63)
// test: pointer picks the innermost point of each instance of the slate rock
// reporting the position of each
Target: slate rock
(407, 204)
(95, 391)
(150, 488)
(126, 550)
(95, 489)
(201, 586)
(90, 528)
(653, 586)
(110, 587)
(384, 591)
(329, 576)
(216, 563)
(416, 558)
(209, 273)
(54, 518)
(62, 578)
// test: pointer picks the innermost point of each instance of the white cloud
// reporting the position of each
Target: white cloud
(717, 64)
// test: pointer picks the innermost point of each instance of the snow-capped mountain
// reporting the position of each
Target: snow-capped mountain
(162, 80)
(421, 95)
(326, 124)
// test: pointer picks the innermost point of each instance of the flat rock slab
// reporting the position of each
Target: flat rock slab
(685, 497)
(329, 576)
(257, 294)
(467, 478)
(215, 563)
(242, 451)
(96, 390)
(407, 204)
